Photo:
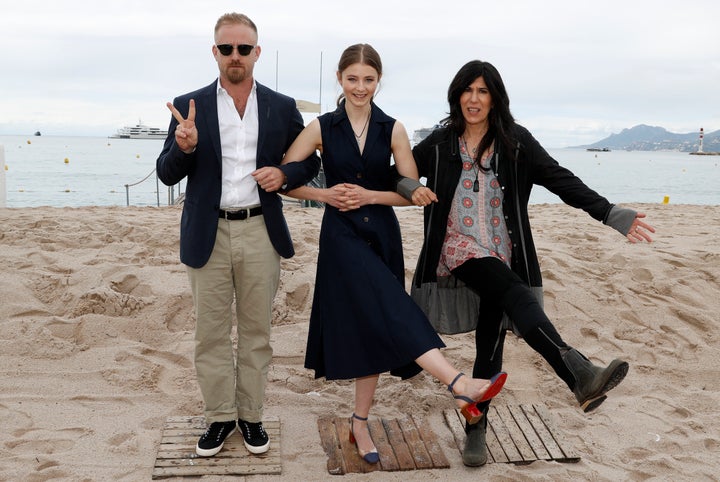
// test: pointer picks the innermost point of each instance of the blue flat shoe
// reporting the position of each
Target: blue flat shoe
(371, 457)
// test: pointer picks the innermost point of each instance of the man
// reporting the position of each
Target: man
(228, 139)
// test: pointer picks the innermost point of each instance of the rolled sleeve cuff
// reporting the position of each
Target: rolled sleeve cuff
(406, 186)
(621, 219)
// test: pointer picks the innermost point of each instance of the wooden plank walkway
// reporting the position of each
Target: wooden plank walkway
(518, 434)
(176, 455)
(403, 444)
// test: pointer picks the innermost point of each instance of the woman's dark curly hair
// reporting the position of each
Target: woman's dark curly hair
(500, 120)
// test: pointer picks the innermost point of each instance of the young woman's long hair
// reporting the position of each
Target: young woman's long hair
(500, 120)
(363, 54)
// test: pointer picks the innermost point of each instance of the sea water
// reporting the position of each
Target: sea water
(81, 171)
(94, 171)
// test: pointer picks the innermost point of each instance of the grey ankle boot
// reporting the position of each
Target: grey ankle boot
(475, 452)
(593, 382)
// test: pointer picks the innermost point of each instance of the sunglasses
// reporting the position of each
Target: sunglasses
(227, 49)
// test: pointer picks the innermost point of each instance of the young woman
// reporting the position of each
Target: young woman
(363, 322)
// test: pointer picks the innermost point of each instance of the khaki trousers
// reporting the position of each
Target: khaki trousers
(243, 267)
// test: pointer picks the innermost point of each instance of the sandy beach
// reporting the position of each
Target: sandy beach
(97, 340)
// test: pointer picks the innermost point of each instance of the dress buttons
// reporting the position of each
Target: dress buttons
(366, 219)
(358, 175)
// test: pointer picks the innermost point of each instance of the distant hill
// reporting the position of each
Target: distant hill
(648, 138)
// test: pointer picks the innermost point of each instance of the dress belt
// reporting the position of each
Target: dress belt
(240, 214)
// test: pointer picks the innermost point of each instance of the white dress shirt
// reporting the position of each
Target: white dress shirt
(238, 143)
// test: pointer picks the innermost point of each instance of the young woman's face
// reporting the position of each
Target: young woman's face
(476, 102)
(359, 83)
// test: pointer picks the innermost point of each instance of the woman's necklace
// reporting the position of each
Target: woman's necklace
(477, 164)
(367, 122)
(474, 149)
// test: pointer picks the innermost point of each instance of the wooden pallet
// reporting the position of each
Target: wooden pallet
(403, 444)
(518, 434)
(176, 455)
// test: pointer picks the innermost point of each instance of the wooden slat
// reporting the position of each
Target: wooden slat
(402, 451)
(176, 455)
(353, 461)
(570, 454)
(213, 462)
(534, 441)
(503, 436)
(457, 428)
(515, 433)
(543, 433)
(518, 434)
(496, 453)
(388, 460)
(403, 444)
(431, 444)
(331, 446)
(420, 455)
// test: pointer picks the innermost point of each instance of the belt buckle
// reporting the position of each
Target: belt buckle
(242, 214)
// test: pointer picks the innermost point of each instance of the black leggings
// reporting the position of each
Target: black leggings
(501, 290)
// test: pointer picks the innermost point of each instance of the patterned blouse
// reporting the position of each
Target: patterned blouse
(476, 224)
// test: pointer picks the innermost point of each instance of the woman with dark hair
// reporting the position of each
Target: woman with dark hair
(482, 166)
(363, 322)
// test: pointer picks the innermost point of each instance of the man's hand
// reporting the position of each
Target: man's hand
(186, 134)
(269, 178)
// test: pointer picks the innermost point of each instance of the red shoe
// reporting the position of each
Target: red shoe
(470, 411)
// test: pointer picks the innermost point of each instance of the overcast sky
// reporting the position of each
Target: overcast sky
(576, 71)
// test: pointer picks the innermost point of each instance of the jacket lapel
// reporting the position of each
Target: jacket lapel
(212, 127)
(263, 100)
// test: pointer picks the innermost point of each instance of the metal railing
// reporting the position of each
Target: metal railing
(172, 199)
(318, 181)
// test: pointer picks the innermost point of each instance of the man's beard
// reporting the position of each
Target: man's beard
(236, 74)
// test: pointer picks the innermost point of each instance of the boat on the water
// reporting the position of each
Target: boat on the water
(422, 133)
(598, 149)
(140, 131)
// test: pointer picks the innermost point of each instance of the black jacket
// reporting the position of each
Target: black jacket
(279, 123)
(438, 159)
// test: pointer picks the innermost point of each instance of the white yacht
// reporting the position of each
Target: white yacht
(140, 131)
(422, 133)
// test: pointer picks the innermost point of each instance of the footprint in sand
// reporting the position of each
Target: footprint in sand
(41, 441)
(642, 275)
(177, 313)
(124, 442)
(297, 299)
(106, 301)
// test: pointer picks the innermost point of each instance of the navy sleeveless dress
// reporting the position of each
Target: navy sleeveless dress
(363, 322)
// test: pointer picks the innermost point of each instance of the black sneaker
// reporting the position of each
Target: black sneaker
(213, 439)
(256, 440)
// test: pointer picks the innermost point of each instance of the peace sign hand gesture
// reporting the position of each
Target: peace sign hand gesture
(186, 134)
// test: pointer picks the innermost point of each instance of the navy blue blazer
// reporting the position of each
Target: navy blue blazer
(279, 124)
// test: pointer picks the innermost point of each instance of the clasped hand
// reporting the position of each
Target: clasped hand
(347, 197)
